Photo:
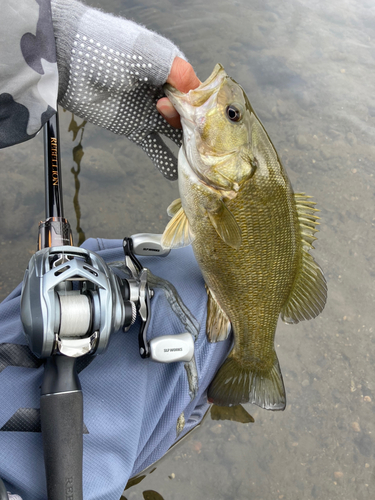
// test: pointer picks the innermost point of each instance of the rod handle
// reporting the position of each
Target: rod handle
(61, 414)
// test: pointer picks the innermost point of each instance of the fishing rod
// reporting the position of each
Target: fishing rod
(71, 303)
(61, 402)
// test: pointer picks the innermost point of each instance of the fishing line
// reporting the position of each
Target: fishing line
(75, 314)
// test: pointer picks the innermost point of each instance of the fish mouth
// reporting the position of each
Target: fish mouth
(196, 97)
(218, 74)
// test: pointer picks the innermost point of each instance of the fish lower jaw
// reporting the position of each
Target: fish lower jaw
(188, 126)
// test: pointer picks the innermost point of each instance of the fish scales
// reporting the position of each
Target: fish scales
(268, 268)
(250, 233)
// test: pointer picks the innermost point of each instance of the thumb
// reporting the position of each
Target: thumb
(182, 76)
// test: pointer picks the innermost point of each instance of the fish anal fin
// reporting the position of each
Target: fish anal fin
(236, 383)
(217, 324)
(309, 292)
(225, 225)
(177, 234)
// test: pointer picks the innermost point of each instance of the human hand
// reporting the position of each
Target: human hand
(183, 78)
(146, 129)
(118, 87)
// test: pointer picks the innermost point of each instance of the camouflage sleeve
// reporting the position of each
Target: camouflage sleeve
(28, 77)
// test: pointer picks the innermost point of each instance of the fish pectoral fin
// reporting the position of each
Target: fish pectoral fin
(225, 225)
(174, 207)
(309, 292)
(218, 325)
(177, 234)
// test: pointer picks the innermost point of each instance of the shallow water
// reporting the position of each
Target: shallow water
(308, 70)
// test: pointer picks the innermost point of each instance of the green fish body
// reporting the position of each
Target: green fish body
(250, 234)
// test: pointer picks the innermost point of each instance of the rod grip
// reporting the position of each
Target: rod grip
(62, 430)
(61, 414)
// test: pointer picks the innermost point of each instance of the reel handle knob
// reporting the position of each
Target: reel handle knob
(172, 348)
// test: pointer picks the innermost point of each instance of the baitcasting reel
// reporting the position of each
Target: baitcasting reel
(72, 302)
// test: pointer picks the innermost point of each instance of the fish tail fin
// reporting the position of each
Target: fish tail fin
(236, 383)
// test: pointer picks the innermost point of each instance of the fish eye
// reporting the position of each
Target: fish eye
(233, 113)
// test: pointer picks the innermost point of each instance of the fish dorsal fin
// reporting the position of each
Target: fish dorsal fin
(217, 325)
(309, 292)
(226, 225)
(177, 234)
(174, 207)
(307, 219)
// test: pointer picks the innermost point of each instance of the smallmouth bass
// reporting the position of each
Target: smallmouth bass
(250, 233)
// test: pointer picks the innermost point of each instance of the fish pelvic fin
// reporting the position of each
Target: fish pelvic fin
(218, 325)
(178, 233)
(309, 292)
(236, 383)
(174, 207)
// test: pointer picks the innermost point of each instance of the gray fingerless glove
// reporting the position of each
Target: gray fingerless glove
(111, 73)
